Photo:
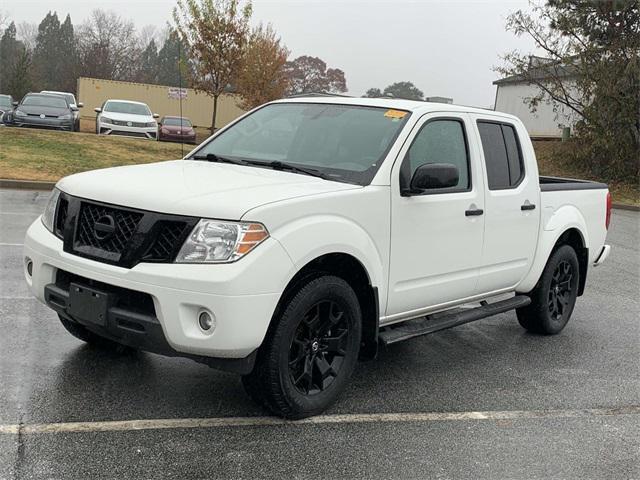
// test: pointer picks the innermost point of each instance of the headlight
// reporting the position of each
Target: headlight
(50, 210)
(212, 241)
(20, 113)
(105, 120)
(67, 116)
(151, 124)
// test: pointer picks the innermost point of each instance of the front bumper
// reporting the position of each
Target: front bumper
(241, 296)
(174, 137)
(150, 133)
(31, 121)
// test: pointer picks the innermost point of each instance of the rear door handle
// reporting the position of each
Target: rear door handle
(474, 212)
(528, 206)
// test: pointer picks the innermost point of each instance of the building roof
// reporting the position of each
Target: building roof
(539, 69)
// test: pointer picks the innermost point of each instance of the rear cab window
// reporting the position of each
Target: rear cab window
(502, 154)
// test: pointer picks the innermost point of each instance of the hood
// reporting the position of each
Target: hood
(37, 110)
(128, 117)
(195, 188)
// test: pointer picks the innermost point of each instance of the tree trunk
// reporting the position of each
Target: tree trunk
(215, 112)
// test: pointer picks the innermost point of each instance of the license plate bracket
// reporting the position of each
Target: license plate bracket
(87, 304)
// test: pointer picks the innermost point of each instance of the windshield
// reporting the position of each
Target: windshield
(126, 107)
(71, 100)
(45, 101)
(345, 142)
(177, 122)
(5, 101)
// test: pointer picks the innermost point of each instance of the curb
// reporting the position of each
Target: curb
(26, 184)
(622, 206)
(38, 185)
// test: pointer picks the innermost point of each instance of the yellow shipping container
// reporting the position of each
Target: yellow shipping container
(163, 100)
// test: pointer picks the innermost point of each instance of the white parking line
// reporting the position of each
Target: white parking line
(35, 214)
(11, 244)
(175, 423)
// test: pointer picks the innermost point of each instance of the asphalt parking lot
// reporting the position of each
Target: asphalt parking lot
(485, 400)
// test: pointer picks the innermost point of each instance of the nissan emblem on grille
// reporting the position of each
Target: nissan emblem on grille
(104, 227)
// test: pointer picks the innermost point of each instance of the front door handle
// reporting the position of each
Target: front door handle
(527, 206)
(474, 212)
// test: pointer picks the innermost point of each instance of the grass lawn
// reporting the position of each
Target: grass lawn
(548, 154)
(27, 154)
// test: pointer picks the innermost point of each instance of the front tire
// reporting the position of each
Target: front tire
(310, 351)
(554, 297)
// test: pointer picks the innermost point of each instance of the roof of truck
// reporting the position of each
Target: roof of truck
(393, 103)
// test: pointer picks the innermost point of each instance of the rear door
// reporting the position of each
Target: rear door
(436, 245)
(512, 207)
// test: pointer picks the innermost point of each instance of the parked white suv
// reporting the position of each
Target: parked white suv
(124, 117)
(294, 240)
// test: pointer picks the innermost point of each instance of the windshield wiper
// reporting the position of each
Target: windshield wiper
(278, 165)
(212, 157)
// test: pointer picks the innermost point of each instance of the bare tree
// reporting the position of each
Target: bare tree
(109, 46)
(28, 34)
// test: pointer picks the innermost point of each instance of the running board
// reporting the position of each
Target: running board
(448, 319)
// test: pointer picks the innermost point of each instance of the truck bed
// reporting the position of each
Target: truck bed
(553, 184)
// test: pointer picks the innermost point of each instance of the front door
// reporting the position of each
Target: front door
(437, 235)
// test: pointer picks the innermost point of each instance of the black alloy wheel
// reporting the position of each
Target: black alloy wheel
(318, 348)
(560, 290)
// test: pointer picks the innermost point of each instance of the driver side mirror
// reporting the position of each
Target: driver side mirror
(155, 115)
(80, 105)
(433, 176)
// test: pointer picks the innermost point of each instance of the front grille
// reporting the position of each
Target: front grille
(126, 124)
(129, 134)
(169, 238)
(125, 225)
(119, 235)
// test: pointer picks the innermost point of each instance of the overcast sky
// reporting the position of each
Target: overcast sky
(447, 47)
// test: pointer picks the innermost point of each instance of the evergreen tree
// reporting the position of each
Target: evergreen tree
(47, 55)
(68, 57)
(149, 64)
(15, 61)
(170, 56)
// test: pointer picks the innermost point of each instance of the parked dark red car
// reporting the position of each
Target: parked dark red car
(176, 129)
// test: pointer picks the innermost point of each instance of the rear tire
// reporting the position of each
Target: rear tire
(310, 351)
(554, 296)
(87, 336)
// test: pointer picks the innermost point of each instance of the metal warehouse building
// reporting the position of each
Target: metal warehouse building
(162, 100)
(513, 95)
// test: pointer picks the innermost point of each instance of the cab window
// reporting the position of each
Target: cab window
(439, 141)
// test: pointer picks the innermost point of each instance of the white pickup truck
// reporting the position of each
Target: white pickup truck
(300, 237)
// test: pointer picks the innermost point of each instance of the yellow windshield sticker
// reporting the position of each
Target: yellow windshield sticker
(395, 114)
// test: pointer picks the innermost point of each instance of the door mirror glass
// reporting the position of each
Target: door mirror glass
(434, 175)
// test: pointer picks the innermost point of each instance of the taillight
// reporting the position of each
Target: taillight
(608, 217)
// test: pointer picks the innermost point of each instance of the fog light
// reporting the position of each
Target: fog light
(206, 321)
(29, 266)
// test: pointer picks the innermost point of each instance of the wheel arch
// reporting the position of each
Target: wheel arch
(350, 269)
(573, 236)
